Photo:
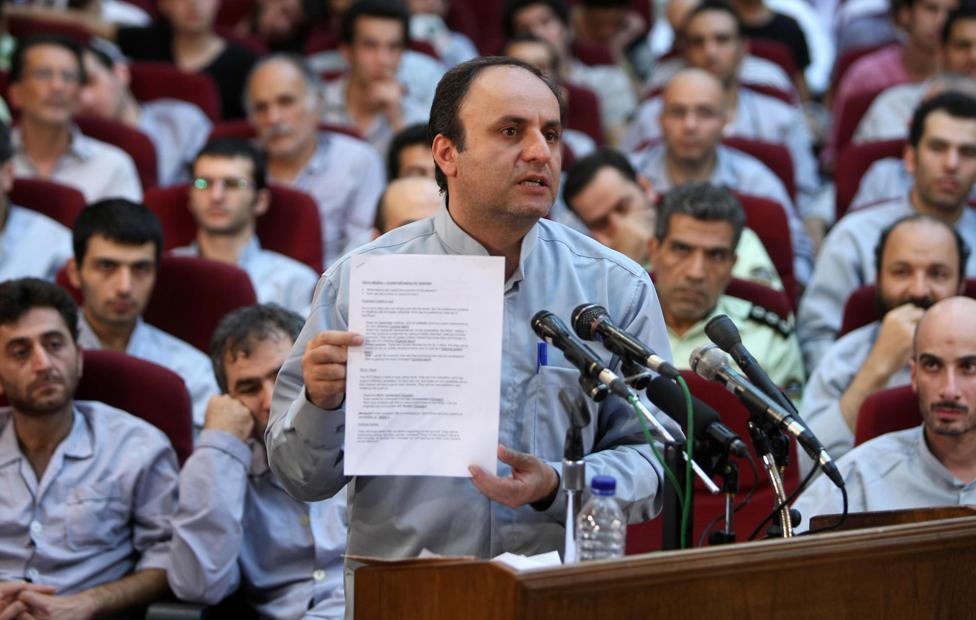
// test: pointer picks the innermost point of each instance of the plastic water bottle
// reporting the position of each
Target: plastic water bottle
(601, 526)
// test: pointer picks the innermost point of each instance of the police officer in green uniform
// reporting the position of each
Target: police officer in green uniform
(693, 254)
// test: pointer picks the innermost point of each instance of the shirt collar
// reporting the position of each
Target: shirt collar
(697, 331)
(319, 161)
(79, 147)
(932, 466)
(78, 444)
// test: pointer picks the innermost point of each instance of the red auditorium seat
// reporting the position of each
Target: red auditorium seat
(775, 52)
(861, 307)
(59, 202)
(767, 219)
(768, 298)
(774, 156)
(849, 117)
(135, 143)
(887, 411)
(853, 161)
(290, 227)
(583, 112)
(160, 80)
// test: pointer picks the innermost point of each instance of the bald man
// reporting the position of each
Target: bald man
(406, 200)
(693, 114)
(929, 465)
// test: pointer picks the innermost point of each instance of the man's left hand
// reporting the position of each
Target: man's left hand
(51, 607)
(531, 479)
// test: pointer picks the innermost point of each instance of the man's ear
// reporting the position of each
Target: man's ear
(445, 155)
(73, 273)
(262, 201)
(910, 158)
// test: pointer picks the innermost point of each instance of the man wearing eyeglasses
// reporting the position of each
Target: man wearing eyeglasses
(227, 195)
(46, 75)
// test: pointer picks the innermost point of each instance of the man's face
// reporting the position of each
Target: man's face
(944, 376)
(416, 161)
(944, 163)
(919, 265)
(431, 7)
(959, 51)
(48, 90)
(509, 167)
(712, 43)
(537, 54)
(251, 378)
(116, 280)
(542, 21)
(692, 118)
(223, 199)
(39, 362)
(692, 267)
(282, 110)
(926, 18)
(374, 53)
(603, 23)
(190, 16)
(102, 93)
(608, 201)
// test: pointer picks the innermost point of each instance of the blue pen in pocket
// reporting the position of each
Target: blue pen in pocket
(541, 356)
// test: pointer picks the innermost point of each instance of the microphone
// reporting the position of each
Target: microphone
(548, 327)
(592, 322)
(723, 332)
(707, 424)
(712, 364)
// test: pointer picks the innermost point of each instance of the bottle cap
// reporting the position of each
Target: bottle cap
(603, 485)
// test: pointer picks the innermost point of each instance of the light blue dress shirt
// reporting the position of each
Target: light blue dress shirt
(101, 509)
(237, 526)
(396, 517)
(32, 245)
(178, 130)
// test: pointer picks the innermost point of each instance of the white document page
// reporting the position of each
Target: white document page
(423, 392)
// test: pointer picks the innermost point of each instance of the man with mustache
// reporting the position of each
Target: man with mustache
(344, 175)
(933, 464)
(693, 252)
(87, 489)
(920, 260)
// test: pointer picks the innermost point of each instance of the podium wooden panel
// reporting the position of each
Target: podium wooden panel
(920, 570)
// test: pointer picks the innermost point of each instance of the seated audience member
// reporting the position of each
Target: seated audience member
(343, 174)
(46, 76)
(617, 206)
(177, 129)
(409, 154)
(692, 116)
(759, 21)
(941, 155)
(369, 97)
(236, 526)
(31, 244)
(693, 252)
(549, 20)
(930, 465)
(427, 24)
(227, 196)
(920, 260)
(117, 246)
(616, 26)
(88, 489)
(282, 25)
(405, 200)
(713, 41)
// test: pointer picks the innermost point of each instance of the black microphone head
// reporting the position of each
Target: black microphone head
(723, 332)
(585, 318)
(543, 322)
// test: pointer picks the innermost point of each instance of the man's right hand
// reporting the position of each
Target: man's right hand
(226, 413)
(324, 367)
(10, 606)
(893, 348)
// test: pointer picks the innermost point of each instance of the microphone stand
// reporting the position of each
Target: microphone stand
(730, 487)
(671, 511)
(761, 442)
(574, 469)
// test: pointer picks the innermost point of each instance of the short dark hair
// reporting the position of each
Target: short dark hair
(953, 103)
(231, 147)
(445, 117)
(410, 135)
(965, 11)
(387, 9)
(18, 297)
(118, 220)
(714, 5)
(241, 330)
(961, 248)
(702, 201)
(25, 44)
(6, 144)
(514, 6)
(583, 171)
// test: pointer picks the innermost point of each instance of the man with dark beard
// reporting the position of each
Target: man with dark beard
(933, 464)
(919, 260)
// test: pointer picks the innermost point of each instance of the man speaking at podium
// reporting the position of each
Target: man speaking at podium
(495, 124)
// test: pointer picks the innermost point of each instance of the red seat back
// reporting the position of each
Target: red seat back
(861, 307)
(160, 80)
(775, 52)
(850, 116)
(767, 219)
(583, 111)
(136, 144)
(853, 161)
(887, 411)
(59, 202)
(774, 156)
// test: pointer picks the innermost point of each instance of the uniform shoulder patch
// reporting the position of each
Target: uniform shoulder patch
(770, 319)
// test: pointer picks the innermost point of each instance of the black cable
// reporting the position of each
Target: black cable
(789, 500)
(833, 526)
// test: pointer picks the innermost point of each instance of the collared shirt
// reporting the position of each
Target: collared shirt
(768, 337)
(890, 113)
(380, 131)
(179, 131)
(846, 262)
(101, 509)
(758, 117)
(744, 173)
(753, 70)
(895, 471)
(830, 379)
(399, 516)
(345, 176)
(155, 345)
(96, 169)
(32, 245)
(276, 277)
(886, 180)
(236, 525)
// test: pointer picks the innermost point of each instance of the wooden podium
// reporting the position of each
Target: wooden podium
(918, 570)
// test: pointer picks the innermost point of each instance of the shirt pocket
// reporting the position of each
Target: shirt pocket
(98, 517)
(550, 419)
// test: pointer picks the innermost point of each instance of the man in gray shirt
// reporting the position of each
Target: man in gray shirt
(941, 156)
(930, 465)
